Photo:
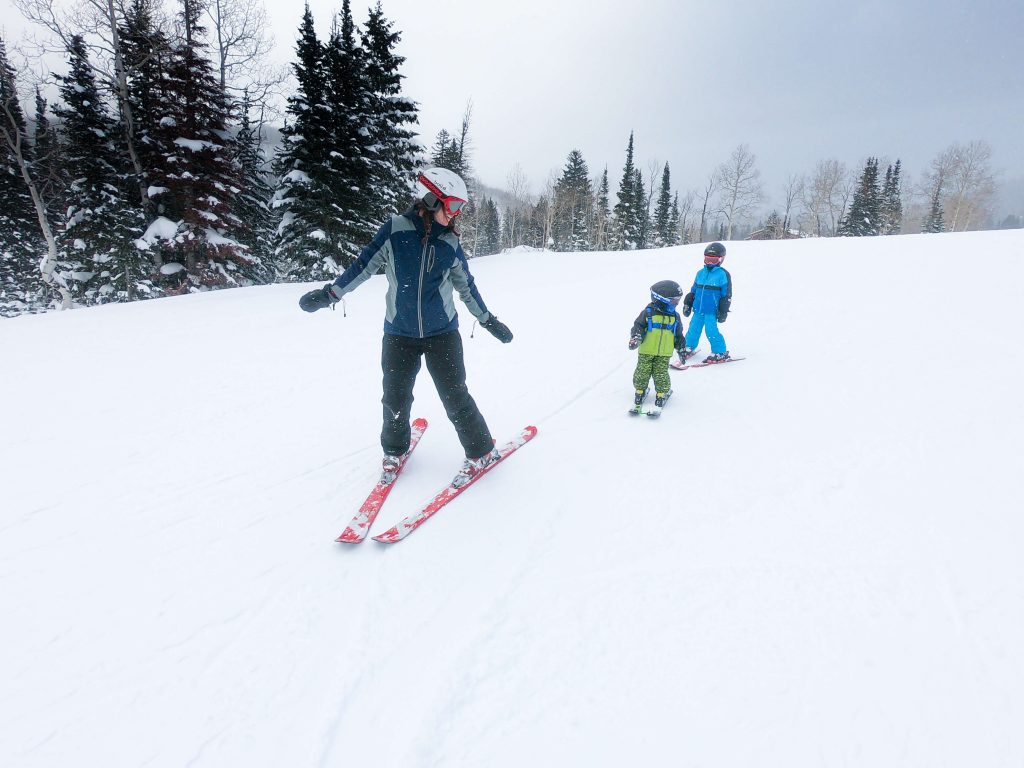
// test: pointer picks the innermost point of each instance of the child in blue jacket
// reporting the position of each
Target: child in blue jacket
(708, 300)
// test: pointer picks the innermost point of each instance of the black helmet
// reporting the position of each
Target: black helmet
(667, 292)
(715, 249)
(713, 255)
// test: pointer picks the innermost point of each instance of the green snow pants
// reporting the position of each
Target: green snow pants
(656, 366)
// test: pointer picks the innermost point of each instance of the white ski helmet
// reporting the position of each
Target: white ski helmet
(439, 185)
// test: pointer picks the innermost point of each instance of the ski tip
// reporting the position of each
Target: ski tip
(420, 423)
(531, 431)
(388, 537)
(350, 537)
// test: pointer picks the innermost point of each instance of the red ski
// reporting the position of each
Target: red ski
(414, 521)
(674, 365)
(360, 525)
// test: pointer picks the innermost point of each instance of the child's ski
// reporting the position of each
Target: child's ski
(653, 412)
(364, 518)
(676, 366)
(414, 521)
(638, 408)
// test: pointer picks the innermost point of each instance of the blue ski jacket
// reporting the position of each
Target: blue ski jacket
(709, 288)
(422, 277)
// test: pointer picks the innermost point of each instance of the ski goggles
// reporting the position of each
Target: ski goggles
(452, 205)
(710, 258)
(665, 299)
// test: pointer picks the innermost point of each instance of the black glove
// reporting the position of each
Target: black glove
(723, 309)
(498, 329)
(321, 298)
(688, 304)
(634, 342)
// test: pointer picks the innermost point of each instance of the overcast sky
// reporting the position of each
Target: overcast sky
(797, 80)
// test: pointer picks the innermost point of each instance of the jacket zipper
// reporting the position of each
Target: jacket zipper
(419, 293)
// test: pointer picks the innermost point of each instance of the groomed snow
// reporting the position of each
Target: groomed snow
(812, 559)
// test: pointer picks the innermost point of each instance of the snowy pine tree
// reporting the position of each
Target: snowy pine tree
(626, 230)
(195, 179)
(489, 224)
(100, 225)
(445, 152)
(342, 165)
(864, 216)
(662, 224)
(935, 220)
(573, 206)
(252, 205)
(674, 224)
(393, 145)
(772, 228)
(302, 196)
(356, 205)
(146, 52)
(19, 233)
(891, 202)
(642, 213)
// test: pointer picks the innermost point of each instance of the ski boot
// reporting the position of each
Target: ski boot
(638, 401)
(716, 358)
(659, 404)
(389, 468)
(686, 353)
(473, 467)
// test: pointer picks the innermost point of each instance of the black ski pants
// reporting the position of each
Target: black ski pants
(400, 361)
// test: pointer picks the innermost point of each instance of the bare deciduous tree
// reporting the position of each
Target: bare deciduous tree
(970, 184)
(14, 138)
(825, 195)
(705, 195)
(519, 192)
(792, 191)
(242, 44)
(687, 218)
(741, 191)
(99, 23)
(549, 211)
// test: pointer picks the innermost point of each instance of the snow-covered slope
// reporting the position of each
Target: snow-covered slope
(812, 559)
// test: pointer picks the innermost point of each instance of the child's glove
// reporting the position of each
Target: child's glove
(634, 342)
(688, 304)
(723, 310)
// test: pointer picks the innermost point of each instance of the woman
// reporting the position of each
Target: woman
(424, 263)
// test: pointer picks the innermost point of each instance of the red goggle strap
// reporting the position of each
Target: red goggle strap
(446, 200)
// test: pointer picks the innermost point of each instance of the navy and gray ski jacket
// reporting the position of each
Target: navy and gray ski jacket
(422, 278)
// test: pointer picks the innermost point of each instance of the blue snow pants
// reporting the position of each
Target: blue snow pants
(709, 324)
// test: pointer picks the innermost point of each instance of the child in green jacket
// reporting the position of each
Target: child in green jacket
(657, 332)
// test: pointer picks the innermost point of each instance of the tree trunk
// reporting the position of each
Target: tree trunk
(121, 80)
(49, 264)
